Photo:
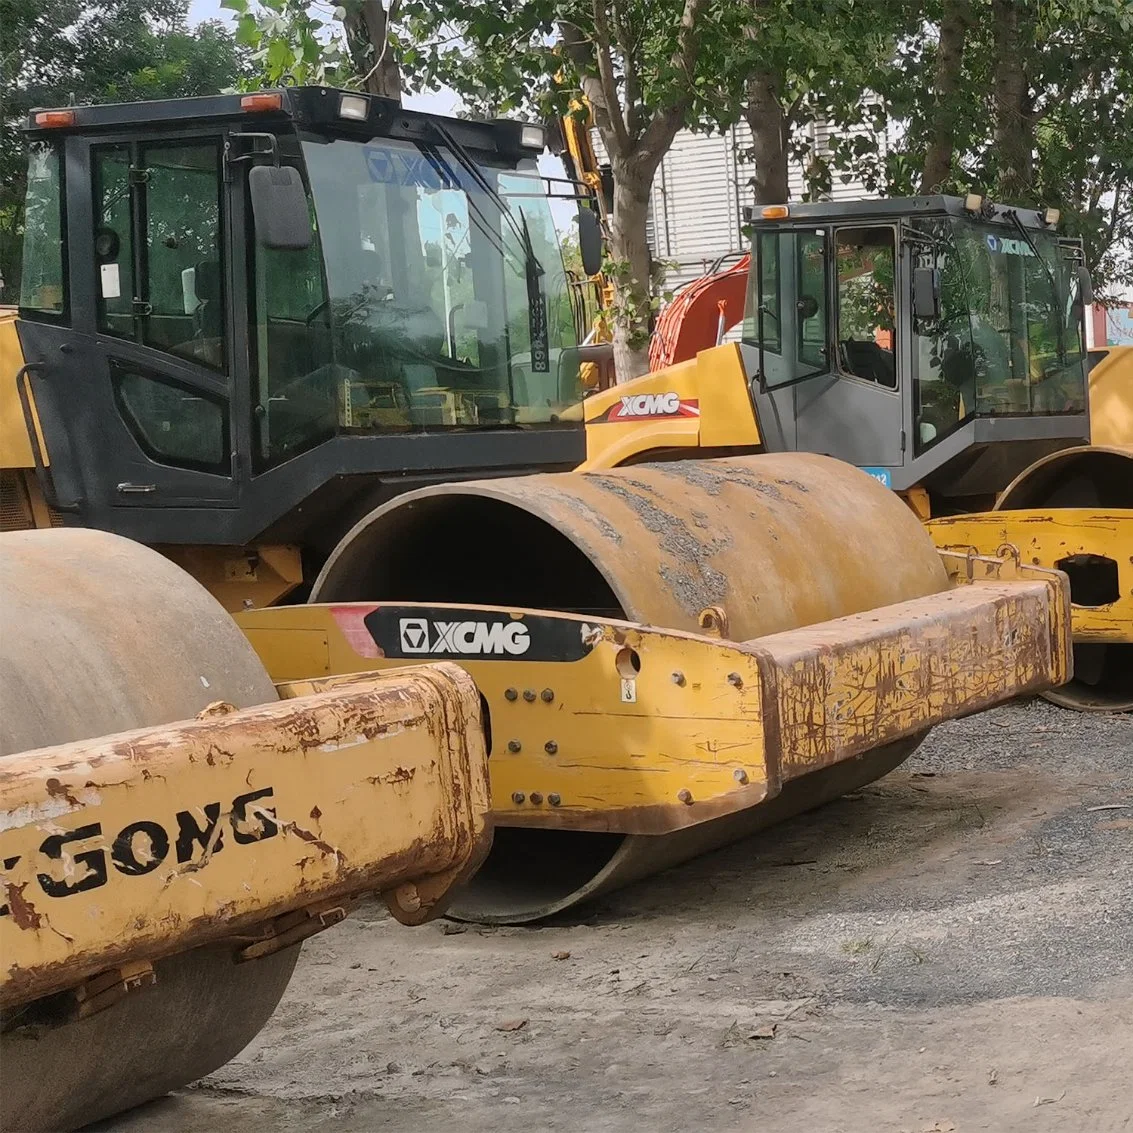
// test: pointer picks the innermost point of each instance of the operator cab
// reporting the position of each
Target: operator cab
(250, 315)
(933, 341)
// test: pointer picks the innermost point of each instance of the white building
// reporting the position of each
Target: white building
(699, 193)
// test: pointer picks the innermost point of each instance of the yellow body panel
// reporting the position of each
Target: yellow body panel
(15, 444)
(702, 403)
(127, 848)
(239, 577)
(1111, 398)
(1047, 537)
(654, 730)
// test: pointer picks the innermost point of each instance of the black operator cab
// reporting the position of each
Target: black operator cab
(264, 313)
(933, 340)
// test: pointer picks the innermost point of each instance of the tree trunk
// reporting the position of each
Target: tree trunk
(630, 250)
(367, 29)
(769, 131)
(1013, 127)
(954, 24)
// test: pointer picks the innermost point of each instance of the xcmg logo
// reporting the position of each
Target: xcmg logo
(471, 638)
(653, 405)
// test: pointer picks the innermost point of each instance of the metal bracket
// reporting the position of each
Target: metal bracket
(291, 928)
(137, 175)
(107, 988)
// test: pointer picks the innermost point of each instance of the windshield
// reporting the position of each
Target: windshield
(443, 312)
(1007, 341)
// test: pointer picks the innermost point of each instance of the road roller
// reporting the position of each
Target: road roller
(173, 825)
(937, 343)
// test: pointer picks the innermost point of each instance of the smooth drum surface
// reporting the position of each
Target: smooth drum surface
(775, 542)
(1095, 477)
(101, 635)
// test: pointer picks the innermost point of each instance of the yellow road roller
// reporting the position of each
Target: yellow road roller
(173, 825)
(936, 343)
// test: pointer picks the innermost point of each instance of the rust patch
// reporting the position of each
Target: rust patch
(58, 791)
(22, 910)
(313, 840)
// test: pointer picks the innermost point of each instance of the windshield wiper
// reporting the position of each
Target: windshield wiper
(477, 175)
(1056, 294)
(537, 322)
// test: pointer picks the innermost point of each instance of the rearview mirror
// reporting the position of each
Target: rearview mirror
(926, 293)
(279, 206)
(1085, 286)
(589, 240)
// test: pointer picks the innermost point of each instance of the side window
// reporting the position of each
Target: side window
(788, 296)
(158, 247)
(172, 423)
(299, 389)
(767, 298)
(811, 304)
(183, 252)
(43, 275)
(866, 303)
(113, 241)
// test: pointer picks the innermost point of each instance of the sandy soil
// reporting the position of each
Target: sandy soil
(950, 949)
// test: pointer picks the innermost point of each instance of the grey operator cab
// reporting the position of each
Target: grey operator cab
(935, 341)
(236, 304)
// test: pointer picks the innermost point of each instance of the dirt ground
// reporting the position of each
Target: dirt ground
(950, 949)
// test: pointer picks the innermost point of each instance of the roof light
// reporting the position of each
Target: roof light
(775, 212)
(261, 101)
(973, 202)
(54, 118)
(354, 106)
(532, 137)
(1050, 217)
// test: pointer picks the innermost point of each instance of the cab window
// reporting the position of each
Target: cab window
(866, 303)
(43, 276)
(158, 247)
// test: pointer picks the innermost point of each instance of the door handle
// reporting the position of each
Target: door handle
(135, 489)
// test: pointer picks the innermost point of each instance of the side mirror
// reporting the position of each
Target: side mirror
(279, 206)
(589, 240)
(1085, 286)
(926, 293)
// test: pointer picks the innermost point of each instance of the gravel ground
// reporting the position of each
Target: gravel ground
(946, 950)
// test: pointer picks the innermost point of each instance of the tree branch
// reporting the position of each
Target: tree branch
(586, 54)
(627, 47)
(664, 123)
(604, 57)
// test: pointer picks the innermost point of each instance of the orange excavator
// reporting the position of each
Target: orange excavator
(701, 313)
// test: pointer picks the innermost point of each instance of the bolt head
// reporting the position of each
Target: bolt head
(550, 747)
(735, 680)
(740, 775)
(536, 798)
(518, 797)
(511, 694)
(548, 694)
(554, 800)
(679, 679)
(685, 795)
(514, 746)
(529, 695)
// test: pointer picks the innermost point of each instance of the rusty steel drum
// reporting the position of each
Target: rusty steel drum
(762, 543)
(101, 635)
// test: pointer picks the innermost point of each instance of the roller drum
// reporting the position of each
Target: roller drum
(772, 542)
(102, 635)
(1092, 476)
